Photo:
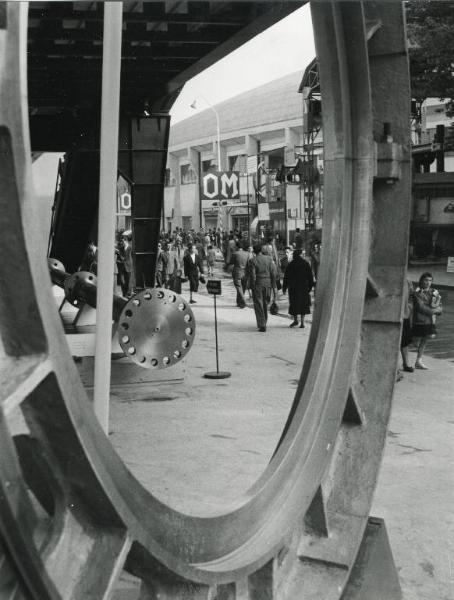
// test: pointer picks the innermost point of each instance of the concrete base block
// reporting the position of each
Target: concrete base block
(374, 575)
(125, 372)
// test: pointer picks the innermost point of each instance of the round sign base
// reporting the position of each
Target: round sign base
(217, 375)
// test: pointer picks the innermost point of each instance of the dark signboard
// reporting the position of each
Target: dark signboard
(214, 286)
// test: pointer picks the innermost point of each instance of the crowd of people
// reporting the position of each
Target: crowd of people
(261, 270)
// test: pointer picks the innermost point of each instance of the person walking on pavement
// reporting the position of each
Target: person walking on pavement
(262, 274)
(193, 268)
(126, 252)
(315, 260)
(298, 239)
(172, 262)
(426, 307)
(211, 259)
(406, 336)
(283, 263)
(239, 261)
(162, 262)
(299, 281)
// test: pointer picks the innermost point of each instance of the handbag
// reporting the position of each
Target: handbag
(202, 279)
(274, 308)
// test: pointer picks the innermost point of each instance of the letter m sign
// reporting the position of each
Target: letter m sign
(221, 185)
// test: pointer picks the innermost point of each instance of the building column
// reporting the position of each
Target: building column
(142, 157)
(197, 216)
(292, 141)
(173, 163)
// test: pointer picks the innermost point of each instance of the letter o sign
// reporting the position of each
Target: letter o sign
(210, 186)
(125, 201)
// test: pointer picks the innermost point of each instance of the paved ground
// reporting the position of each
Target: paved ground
(200, 445)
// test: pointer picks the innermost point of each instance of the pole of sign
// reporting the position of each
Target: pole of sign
(214, 288)
(216, 334)
(248, 210)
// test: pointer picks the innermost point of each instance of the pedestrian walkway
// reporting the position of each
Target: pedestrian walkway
(200, 444)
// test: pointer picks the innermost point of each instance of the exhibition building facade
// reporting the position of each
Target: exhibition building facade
(243, 164)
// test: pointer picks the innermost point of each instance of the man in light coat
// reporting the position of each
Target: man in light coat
(262, 274)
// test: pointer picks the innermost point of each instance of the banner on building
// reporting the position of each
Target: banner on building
(251, 164)
(263, 210)
(221, 185)
(124, 197)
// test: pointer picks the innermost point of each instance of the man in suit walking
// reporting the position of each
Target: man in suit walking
(193, 268)
(262, 274)
(239, 261)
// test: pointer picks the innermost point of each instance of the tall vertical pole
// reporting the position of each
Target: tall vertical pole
(200, 176)
(248, 209)
(216, 334)
(218, 133)
(107, 199)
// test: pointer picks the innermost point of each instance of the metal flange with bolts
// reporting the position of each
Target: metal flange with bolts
(156, 326)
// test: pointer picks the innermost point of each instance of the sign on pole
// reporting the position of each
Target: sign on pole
(450, 266)
(214, 286)
(251, 164)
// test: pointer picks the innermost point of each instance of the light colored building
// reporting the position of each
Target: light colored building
(432, 225)
(261, 137)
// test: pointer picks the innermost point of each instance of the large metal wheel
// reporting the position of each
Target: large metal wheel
(71, 515)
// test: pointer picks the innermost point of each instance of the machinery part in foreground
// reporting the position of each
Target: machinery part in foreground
(295, 534)
(81, 287)
(156, 327)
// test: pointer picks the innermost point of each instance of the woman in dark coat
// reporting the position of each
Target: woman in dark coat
(299, 281)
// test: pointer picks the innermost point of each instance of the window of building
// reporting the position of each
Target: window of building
(238, 163)
(169, 178)
(207, 166)
(187, 223)
(187, 174)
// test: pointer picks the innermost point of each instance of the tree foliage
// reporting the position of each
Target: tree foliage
(430, 31)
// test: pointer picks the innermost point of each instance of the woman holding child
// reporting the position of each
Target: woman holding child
(426, 307)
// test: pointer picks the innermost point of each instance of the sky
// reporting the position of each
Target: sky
(284, 48)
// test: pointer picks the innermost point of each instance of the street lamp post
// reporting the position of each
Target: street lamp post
(218, 135)
(218, 127)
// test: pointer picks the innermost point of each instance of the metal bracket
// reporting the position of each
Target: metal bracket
(388, 161)
(388, 157)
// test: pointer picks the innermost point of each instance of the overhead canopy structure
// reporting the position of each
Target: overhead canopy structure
(165, 43)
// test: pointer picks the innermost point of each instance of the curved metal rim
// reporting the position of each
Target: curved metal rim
(252, 532)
